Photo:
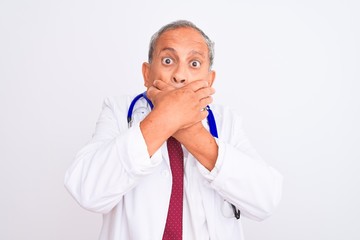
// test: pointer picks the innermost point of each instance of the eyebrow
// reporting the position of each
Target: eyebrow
(167, 49)
(193, 52)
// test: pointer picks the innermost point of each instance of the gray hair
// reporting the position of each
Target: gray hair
(180, 24)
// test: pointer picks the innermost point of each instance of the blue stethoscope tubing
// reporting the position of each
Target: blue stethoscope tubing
(210, 119)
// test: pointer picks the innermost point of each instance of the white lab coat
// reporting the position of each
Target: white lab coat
(114, 175)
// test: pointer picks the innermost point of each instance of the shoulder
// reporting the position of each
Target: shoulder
(228, 121)
(116, 108)
(225, 113)
(118, 103)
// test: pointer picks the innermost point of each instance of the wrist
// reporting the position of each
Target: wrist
(162, 123)
(191, 132)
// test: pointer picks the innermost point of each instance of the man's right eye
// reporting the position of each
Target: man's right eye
(167, 61)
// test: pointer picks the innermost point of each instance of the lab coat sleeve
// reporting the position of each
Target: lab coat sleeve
(243, 178)
(111, 164)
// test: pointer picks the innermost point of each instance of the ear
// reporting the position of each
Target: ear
(211, 78)
(146, 74)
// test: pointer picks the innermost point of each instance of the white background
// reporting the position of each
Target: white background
(291, 68)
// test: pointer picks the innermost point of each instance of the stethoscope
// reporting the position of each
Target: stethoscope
(210, 120)
(210, 117)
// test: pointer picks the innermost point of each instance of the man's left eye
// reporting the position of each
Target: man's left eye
(195, 64)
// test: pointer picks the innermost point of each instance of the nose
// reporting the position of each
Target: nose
(178, 80)
(180, 76)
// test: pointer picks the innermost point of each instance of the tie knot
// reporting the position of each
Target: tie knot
(172, 140)
(174, 148)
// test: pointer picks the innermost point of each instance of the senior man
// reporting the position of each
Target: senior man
(169, 164)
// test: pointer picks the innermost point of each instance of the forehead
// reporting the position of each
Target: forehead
(182, 39)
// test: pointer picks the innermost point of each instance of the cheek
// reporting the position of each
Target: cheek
(163, 75)
(199, 75)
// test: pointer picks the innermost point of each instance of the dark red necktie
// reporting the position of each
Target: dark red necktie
(173, 227)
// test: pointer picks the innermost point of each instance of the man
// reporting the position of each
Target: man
(131, 172)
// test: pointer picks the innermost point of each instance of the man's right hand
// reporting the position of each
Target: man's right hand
(182, 107)
(174, 109)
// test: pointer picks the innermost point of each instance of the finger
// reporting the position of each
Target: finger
(205, 92)
(163, 86)
(205, 101)
(198, 84)
(203, 115)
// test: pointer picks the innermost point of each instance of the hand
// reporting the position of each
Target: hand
(181, 106)
(158, 87)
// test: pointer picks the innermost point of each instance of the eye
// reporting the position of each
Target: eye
(167, 61)
(195, 64)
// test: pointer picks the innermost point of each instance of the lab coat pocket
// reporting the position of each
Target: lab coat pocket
(227, 209)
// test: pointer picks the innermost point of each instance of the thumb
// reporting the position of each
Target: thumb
(152, 92)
